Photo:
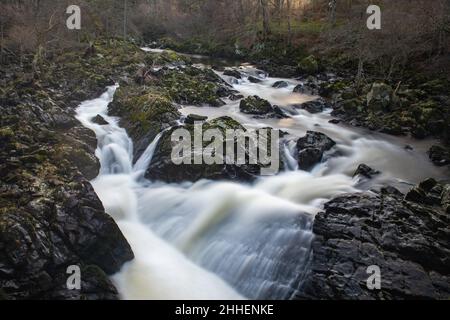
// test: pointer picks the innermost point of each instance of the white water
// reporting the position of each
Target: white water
(224, 240)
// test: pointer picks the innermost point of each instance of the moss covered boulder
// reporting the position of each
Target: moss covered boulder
(308, 65)
(164, 168)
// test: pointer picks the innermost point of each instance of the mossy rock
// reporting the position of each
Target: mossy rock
(380, 97)
(308, 65)
(256, 106)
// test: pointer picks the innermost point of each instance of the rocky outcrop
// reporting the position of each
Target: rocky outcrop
(50, 216)
(406, 237)
(311, 149)
(144, 113)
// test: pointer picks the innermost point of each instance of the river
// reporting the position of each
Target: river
(225, 240)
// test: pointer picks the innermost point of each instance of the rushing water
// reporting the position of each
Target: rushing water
(225, 240)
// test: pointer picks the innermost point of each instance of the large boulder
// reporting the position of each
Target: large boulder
(163, 168)
(256, 106)
(380, 97)
(308, 65)
(407, 240)
(280, 84)
(315, 106)
(311, 149)
(232, 73)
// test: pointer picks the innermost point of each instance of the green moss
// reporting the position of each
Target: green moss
(308, 65)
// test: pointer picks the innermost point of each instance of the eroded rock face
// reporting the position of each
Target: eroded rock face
(50, 216)
(311, 149)
(408, 240)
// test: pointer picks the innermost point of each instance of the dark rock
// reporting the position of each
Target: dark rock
(280, 84)
(311, 149)
(254, 79)
(100, 120)
(366, 171)
(256, 106)
(307, 88)
(439, 156)
(316, 106)
(232, 73)
(335, 121)
(193, 118)
(407, 241)
(236, 97)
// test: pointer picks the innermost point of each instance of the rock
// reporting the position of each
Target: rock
(316, 106)
(308, 65)
(306, 88)
(439, 156)
(255, 105)
(407, 241)
(311, 149)
(232, 73)
(144, 114)
(163, 168)
(236, 97)
(193, 118)
(366, 171)
(100, 120)
(254, 79)
(280, 84)
(334, 121)
(380, 97)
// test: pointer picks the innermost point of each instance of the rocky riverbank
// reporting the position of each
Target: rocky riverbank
(50, 216)
(406, 236)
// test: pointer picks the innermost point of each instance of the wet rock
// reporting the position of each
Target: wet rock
(335, 121)
(280, 84)
(163, 168)
(232, 73)
(254, 79)
(236, 97)
(439, 156)
(408, 241)
(144, 114)
(311, 149)
(316, 106)
(100, 120)
(193, 118)
(256, 106)
(366, 171)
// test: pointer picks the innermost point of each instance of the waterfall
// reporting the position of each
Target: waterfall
(227, 240)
